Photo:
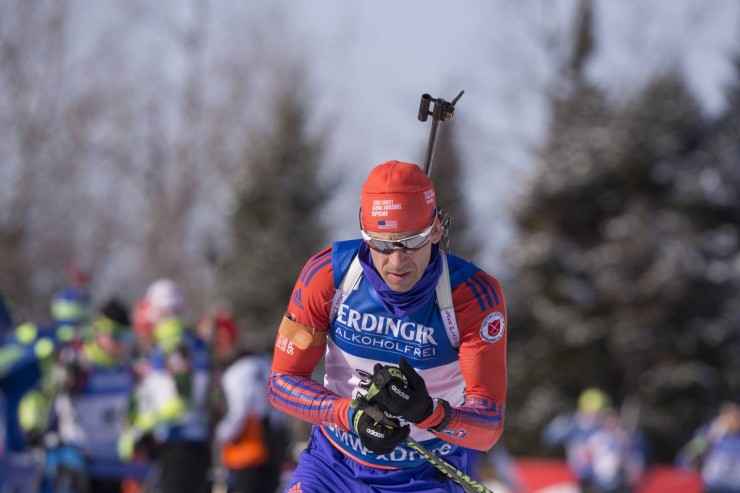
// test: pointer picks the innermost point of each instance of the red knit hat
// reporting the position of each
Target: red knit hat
(227, 331)
(397, 197)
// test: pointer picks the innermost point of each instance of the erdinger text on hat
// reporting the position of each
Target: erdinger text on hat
(397, 197)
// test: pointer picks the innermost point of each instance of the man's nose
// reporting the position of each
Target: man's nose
(398, 257)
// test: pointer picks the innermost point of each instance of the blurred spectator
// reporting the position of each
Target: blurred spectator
(618, 459)
(70, 309)
(163, 300)
(80, 409)
(602, 454)
(714, 450)
(251, 436)
(21, 367)
(573, 431)
(70, 313)
(171, 407)
(29, 346)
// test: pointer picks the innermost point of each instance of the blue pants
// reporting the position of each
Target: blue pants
(324, 469)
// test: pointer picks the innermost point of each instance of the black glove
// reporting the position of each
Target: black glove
(378, 433)
(401, 392)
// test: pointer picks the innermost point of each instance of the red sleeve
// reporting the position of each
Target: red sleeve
(291, 387)
(481, 317)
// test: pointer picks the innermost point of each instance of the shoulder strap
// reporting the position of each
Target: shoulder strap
(348, 284)
(446, 307)
(444, 296)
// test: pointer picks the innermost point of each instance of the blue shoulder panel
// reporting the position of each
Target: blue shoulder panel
(342, 254)
(460, 270)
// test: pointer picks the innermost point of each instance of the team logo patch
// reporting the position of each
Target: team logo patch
(457, 433)
(493, 327)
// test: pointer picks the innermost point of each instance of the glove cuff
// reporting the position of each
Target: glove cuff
(428, 412)
(440, 417)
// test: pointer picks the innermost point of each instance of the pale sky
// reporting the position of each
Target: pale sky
(369, 62)
(372, 61)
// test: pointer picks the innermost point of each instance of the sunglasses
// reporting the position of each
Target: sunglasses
(406, 245)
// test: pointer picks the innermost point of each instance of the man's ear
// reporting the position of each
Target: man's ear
(436, 231)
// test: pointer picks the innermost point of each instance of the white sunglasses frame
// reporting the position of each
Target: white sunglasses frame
(399, 244)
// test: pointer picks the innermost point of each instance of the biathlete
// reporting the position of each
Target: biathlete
(414, 345)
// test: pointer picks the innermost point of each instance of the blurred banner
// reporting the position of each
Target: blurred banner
(553, 476)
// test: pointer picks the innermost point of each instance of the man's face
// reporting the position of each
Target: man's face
(730, 414)
(401, 271)
(115, 347)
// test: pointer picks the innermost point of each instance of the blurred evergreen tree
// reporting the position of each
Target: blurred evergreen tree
(627, 261)
(275, 225)
(629, 241)
(448, 175)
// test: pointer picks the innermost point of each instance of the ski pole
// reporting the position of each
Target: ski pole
(467, 483)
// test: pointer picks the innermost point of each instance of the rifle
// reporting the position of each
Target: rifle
(441, 111)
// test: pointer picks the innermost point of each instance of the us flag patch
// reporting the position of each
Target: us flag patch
(493, 327)
(387, 224)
